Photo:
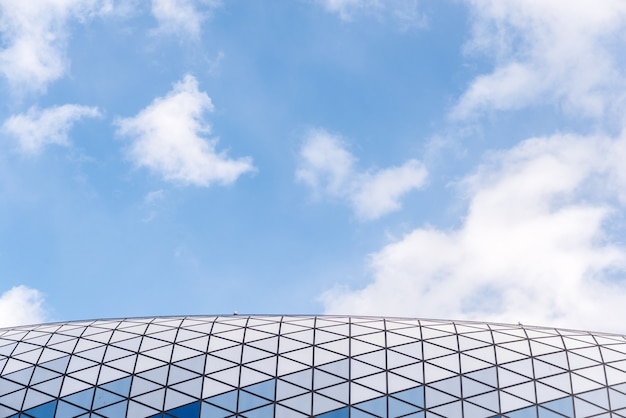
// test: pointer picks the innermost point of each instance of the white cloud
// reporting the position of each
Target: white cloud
(34, 36)
(166, 138)
(21, 305)
(181, 16)
(37, 128)
(564, 52)
(404, 11)
(328, 168)
(538, 244)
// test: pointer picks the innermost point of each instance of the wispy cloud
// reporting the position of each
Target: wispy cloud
(181, 17)
(167, 137)
(566, 53)
(21, 305)
(535, 245)
(330, 169)
(34, 36)
(406, 12)
(37, 128)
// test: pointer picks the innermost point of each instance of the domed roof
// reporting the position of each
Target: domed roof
(299, 366)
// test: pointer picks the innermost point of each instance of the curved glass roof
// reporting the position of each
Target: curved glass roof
(302, 366)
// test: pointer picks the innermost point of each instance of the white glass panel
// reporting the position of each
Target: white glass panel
(213, 387)
(322, 379)
(177, 375)
(525, 391)
(560, 381)
(435, 397)
(547, 393)
(360, 369)
(174, 399)
(228, 376)
(287, 390)
(267, 366)
(286, 366)
(108, 374)
(322, 356)
(376, 382)
(323, 404)
(360, 393)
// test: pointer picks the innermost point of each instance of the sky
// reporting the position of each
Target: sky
(453, 159)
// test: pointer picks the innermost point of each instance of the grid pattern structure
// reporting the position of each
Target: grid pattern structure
(302, 366)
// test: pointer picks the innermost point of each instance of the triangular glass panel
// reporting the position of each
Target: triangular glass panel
(231, 354)
(264, 389)
(51, 387)
(249, 376)
(547, 393)
(466, 342)
(396, 383)
(65, 409)
(191, 387)
(475, 411)
(563, 406)
(322, 404)
(471, 387)
(249, 401)
(436, 397)
(175, 399)
(82, 399)
(450, 362)
(586, 409)
(433, 373)
(226, 400)
(154, 399)
(115, 410)
(300, 403)
(414, 396)
(54, 360)
(178, 374)
(104, 398)
(525, 391)
(212, 411)
(337, 413)
(489, 401)
(228, 376)
(357, 413)
(394, 339)
(377, 406)
(598, 397)
(137, 410)
(432, 351)
(340, 393)
(453, 409)
(360, 393)
(43, 411)
(120, 387)
(71, 385)
(262, 412)
(509, 403)
(400, 409)
(141, 386)
(286, 390)
(213, 387)
(618, 400)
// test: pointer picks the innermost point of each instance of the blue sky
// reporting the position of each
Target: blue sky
(457, 159)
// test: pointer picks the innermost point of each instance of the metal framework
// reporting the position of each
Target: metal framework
(303, 366)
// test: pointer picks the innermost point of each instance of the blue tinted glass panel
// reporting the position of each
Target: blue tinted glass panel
(43, 411)
(414, 396)
(339, 413)
(564, 406)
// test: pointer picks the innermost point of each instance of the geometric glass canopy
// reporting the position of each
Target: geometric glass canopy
(303, 366)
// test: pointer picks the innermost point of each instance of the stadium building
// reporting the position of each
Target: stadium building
(303, 366)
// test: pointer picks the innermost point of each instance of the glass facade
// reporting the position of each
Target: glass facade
(303, 366)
